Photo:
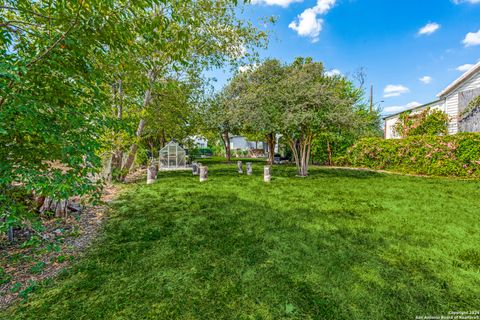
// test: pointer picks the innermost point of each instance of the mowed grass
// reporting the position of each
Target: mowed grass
(340, 244)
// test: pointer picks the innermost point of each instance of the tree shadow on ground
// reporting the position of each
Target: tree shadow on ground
(343, 173)
(166, 255)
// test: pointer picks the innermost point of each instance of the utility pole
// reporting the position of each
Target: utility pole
(371, 98)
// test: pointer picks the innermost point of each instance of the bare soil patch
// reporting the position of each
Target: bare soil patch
(36, 256)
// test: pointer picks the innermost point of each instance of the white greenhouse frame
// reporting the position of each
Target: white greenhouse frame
(172, 157)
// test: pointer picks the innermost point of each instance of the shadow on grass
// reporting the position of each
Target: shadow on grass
(343, 173)
(175, 253)
(285, 171)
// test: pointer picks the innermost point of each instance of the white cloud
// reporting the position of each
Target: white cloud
(472, 39)
(281, 3)
(308, 24)
(426, 79)
(333, 72)
(468, 1)
(393, 90)
(464, 67)
(395, 109)
(428, 29)
(248, 67)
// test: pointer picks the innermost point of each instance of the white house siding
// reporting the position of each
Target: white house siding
(389, 132)
(451, 109)
(452, 101)
(449, 101)
(439, 105)
(239, 142)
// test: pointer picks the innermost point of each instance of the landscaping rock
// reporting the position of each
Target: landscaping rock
(74, 206)
(249, 168)
(203, 173)
(240, 167)
(266, 174)
(151, 174)
(194, 168)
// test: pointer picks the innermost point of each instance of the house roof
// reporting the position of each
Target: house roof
(455, 84)
(411, 109)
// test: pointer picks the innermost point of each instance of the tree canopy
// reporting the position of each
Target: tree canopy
(297, 101)
(82, 78)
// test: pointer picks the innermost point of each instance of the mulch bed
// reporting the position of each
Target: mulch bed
(60, 243)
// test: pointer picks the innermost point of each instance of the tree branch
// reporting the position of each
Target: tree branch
(46, 52)
(28, 11)
(61, 38)
(13, 22)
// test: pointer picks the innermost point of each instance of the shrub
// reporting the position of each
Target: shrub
(426, 122)
(199, 152)
(453, 155)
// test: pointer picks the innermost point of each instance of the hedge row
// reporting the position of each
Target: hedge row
(453, 155)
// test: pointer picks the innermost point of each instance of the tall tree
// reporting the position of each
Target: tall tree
(193, 35)
(54, 93)
(314, 103)
(220, 117)
(171, 115)
(74, 71)
(260, 101)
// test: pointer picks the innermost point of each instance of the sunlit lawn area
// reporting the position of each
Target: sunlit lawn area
(339, 244)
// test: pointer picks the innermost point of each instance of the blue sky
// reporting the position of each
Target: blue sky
(397, 42)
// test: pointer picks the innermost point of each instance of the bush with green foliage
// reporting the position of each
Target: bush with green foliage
(329, 145)
(426, 122)
(199, 152)
(453, 155)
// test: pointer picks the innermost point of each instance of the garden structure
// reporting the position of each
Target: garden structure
(172, 157)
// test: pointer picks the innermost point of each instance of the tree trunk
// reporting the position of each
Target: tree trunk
(117, 155)
(303, 155)
(226, 143)
(329, 150)
(59, 207)
(293, 145)
(271, 147)
(141, 125)
(46, 205)
(117, 160)
(133, 151)
(301, 151)
(163, 139)
(305, 148)
(106, 174)
(120, 99)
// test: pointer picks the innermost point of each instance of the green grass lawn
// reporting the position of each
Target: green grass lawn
(339, 244)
